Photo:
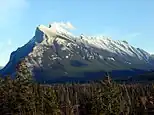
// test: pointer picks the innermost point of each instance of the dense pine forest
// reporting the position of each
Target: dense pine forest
(23, 96)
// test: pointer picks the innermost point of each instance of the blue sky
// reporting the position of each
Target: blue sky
(131, 20)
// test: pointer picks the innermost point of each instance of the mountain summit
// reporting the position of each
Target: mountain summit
(55, 54)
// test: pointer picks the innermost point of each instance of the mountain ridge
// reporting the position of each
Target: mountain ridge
(55, 50)
(1, 67)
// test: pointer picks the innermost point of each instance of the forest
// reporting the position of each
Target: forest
(23, 96)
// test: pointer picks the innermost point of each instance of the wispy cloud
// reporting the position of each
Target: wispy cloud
(66, 25)
(70, 26)
(111, 32)
(133, 35)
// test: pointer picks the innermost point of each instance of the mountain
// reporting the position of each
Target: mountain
(1, 67)
(54, 54)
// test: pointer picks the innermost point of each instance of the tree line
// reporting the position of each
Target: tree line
(23, 96)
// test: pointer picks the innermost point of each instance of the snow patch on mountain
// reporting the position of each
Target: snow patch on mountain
(58, 34)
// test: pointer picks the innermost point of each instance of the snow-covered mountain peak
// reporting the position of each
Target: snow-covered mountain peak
(57, 28)
(48, 31)
(66, 25)
(55, 50)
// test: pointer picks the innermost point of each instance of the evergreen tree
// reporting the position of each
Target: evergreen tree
(22, 72)
(106, 99)
(24, 90)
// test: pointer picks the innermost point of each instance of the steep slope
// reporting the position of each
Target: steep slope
(55, 54)
(1, 67)
(151, 60)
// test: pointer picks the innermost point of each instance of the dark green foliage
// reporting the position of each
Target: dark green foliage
(22, 96)
(107, 99)
(23, 74)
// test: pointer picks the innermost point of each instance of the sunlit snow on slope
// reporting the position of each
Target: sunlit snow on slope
(57, 45)
(58, 37)
(56, 30)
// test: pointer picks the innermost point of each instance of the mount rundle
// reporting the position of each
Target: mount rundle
(54, 54)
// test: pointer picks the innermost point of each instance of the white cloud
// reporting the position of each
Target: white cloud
(67, 25)
(111, 32)
(133, 35)
(70, 26)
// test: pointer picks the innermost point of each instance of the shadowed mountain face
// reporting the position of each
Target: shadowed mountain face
(55, 55)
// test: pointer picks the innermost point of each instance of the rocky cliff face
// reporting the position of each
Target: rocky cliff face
(54, 54)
